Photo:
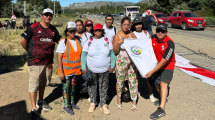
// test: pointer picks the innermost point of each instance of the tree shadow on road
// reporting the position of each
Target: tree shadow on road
(11, 63)
(15, 111)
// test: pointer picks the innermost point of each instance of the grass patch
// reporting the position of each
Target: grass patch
(12, 55)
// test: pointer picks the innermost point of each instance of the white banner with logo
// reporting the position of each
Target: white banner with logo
(141, 53)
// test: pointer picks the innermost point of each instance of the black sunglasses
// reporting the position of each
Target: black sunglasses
(98, 30)
(48, 14)
(160, 30)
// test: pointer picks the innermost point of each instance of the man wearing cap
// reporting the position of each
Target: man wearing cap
(162, 74)
(108, 27)
(13, 19)
(39, 42)
(151, 18)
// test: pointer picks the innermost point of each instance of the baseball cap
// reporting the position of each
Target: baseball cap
(137, 20)
(47, 10)
(71, 26)
(88, 22)
(162, 27)
(148, 12)
(97, 26)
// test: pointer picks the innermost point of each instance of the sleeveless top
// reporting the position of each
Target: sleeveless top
(122, 52)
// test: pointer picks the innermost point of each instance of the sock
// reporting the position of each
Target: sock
(34, 109)
(40, 101)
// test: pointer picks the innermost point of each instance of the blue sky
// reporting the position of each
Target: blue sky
(67, 2)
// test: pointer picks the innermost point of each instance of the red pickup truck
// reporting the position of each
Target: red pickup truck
(186, 20)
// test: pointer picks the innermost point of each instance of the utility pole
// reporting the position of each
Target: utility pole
(24, 8)
(115, 9)
(54, 7)
(12, 6)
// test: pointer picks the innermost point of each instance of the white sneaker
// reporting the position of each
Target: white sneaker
(152, 98)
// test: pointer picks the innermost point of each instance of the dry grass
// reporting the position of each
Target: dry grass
(10, 46)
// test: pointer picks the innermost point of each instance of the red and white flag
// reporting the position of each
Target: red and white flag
(184, 65)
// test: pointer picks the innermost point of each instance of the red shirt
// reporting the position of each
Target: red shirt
(41, 43)
(164, 49)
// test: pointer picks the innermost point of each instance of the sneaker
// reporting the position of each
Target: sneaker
(34, 114)
(152, 98)
(43, 105)
(157, 103)
(74, 106)
(158, 113)
(68, 110)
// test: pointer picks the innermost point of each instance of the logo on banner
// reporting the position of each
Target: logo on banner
(136, 51)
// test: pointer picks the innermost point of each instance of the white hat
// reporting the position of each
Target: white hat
(47, 10)
(71, 26)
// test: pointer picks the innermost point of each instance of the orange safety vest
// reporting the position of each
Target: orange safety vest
(71, 60)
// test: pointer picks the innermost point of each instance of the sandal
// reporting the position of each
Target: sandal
(92, 108)
(106, 111)
(134, 106)
(119, 106)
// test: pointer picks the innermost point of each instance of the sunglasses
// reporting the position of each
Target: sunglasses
(159, 30)
(98, 30)
(72, 31)
(50, 15)
(88, 26)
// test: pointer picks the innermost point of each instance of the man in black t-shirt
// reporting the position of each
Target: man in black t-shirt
(39, 42)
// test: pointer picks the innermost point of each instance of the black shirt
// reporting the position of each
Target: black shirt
(41, 43)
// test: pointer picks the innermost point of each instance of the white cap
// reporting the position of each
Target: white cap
(47, 10)
(71, 26)
(148, 12)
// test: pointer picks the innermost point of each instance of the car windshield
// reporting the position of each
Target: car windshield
(121, 13)
(132, 9)
(190, 15)
(161, 15)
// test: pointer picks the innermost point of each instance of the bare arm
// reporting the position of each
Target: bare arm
(24, 43)
(158, 67)
(60, 66)
(116, 44)
(156, 20)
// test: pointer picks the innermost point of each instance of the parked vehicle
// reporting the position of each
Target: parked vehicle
(162, 18)
(186, 20)
(131, 11)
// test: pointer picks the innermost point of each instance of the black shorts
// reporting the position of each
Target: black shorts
(163, 75)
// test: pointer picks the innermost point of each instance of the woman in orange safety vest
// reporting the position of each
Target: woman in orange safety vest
(69, 65)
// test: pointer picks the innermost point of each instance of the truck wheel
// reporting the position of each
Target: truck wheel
(184, 26)
(170, 25)
(202, 29)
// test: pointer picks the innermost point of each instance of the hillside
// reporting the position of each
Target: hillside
(97, 4)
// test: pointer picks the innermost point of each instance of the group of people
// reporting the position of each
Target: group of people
(93, 51)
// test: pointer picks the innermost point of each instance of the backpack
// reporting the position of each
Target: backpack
(145, 22)
(91, 39)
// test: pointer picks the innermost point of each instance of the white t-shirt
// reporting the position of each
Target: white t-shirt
(141, 34)
(83, 39)
(109, 32)
(98, 57)
(141, 53)
(62, 47)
